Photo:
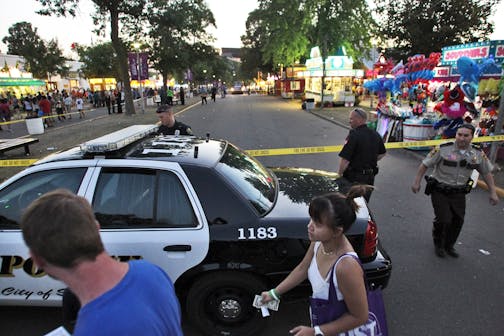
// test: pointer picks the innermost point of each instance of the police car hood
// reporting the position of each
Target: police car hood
(298, 186)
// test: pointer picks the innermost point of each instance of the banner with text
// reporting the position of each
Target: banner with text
(138, 64)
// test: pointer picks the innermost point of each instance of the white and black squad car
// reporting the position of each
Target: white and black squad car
(223, 226)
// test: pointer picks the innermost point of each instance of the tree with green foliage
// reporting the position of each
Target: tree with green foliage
(177, 35)
(285, 30)
(254, 40)
(421, 27)
(99, 61)
(336, 24)
(128, 12)
(42, 58)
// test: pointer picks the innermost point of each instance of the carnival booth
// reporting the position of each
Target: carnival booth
(292, 84)
(15, 80)
(477, 67)
(406, 85)
(338, 77)
(440, 95)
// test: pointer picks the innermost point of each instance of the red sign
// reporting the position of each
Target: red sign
(442, 72)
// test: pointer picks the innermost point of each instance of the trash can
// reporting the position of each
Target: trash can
(310, 104)
(35, 125)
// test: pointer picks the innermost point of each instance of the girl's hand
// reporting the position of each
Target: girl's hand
(302, 331)
(266, 297)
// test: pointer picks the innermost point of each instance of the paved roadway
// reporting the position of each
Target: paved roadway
(426, 295)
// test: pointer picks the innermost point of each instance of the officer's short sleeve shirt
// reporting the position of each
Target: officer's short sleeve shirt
(362, 147)
(453, 166)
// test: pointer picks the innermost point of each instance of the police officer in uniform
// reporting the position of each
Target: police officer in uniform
(362, 150)
(450, 181)
(169, 125)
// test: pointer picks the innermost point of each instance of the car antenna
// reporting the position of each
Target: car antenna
(207, 137)
(196, 149)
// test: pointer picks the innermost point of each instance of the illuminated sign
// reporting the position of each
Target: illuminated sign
(476, 51)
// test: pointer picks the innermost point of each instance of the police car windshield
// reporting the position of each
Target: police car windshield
(250, 177)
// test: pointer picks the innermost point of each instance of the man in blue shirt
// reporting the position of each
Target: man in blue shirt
(117, 298)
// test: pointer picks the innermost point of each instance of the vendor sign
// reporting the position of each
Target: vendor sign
(476, 51)
(21, 82)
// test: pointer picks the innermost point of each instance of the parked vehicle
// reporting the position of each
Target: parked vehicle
(223, 226)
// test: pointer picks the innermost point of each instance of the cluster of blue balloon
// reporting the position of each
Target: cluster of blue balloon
(470, 73)
(393, 85)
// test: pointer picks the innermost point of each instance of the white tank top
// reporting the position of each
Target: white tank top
(320, 285)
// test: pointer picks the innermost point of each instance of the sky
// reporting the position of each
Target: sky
(230, 16)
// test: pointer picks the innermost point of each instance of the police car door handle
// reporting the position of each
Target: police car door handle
(177, 248)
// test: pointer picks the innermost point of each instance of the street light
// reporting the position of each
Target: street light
(136, 45)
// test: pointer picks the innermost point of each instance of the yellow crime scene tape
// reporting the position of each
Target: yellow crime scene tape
(304, 150)
(17, 163)
(388, 145)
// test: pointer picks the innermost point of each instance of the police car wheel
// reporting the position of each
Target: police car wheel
(221, 304)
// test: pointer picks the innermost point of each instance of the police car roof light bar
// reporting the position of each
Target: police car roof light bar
(118, 139)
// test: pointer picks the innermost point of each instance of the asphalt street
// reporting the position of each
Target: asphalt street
(426, 295)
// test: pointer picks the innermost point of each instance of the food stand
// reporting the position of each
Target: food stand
(338, 77)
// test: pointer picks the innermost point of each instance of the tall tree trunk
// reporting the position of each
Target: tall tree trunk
(122, 60)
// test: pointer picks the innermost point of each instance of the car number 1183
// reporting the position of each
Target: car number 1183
(257, 233)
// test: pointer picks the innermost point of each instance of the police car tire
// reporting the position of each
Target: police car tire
(205, 295)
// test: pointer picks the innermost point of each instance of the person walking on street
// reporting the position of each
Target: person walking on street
(453, 164)
(169, 95)
(59, 110)
(330, 257)
(28, 107)
(203, 93)
(362, 150)
(5, 113)
(108, 102)
(80, 107)
(45, 106)
(112, 100)
(168, 124)
(117, 298)
(214, 93)
(182, 96)
(68, 105)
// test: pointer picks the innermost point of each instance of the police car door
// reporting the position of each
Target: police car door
(149, 210)
(21, 282)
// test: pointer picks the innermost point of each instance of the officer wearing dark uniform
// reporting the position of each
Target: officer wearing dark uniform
(169, 125)
(361, 152)
(450, 181)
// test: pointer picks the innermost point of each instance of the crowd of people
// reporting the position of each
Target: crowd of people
(57, 105)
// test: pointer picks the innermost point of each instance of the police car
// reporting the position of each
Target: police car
(223, 226)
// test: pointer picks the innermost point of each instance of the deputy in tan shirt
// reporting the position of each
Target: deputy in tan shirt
(452, 165)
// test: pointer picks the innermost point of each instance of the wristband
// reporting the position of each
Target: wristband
(273, 293)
